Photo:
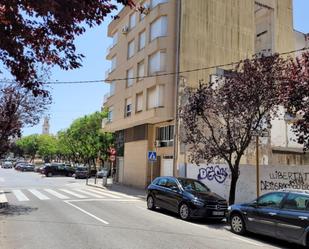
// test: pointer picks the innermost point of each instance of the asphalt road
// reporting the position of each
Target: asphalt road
(60, 212)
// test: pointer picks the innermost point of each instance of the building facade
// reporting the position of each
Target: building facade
(154, 54)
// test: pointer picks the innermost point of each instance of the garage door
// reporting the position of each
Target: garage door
(167, 167)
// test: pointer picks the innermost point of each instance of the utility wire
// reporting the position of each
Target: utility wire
(5, 81)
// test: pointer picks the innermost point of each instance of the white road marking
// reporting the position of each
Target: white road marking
(87, 193)
(2, 179)
(55, 193)
(111, 200)
(85, 212)
(122, 195)
(38, 194)
(20, 195)
(3, 197)
(248, 241)
(103, 193)
(73, 193)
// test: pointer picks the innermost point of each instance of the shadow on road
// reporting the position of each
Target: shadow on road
(15, 210)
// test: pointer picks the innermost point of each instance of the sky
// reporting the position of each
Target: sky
(74, 101)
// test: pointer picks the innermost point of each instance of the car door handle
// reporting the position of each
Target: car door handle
(303, 217)
(272, 214)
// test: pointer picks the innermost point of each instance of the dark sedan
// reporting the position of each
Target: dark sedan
(58, 169)
(283, 215)
(81, 172)
(188, 197)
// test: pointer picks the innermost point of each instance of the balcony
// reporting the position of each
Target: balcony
(107, 73)
(105, 98)
(109, 52)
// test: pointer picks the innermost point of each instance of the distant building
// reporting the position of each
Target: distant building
(45, 127)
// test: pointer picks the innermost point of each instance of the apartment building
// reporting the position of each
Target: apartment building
(150, 56)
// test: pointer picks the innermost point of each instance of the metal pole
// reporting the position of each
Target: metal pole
(257, 166)
(151, 171)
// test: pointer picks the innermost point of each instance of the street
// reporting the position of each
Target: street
(61, 212)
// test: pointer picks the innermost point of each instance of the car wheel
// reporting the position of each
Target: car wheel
(237, 224)
(49, 174)
(151, 203)
(184, 211)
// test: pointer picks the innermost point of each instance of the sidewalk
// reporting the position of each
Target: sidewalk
(3, 200)
(137, 192)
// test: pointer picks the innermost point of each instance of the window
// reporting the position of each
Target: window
(162, 182)
(113, 63)
(154, 3)
(296, 202)
(155, 97)
(157, 62)
(141, 40)
(130, 77)
(140, 70)
(171, 184)
(112, 87)
(128, 107)
(115, 39)
(158, 28)
(271, 200)
(132, 21)
(139, 102)
(131, 49)
(165, 133)
(110, 113)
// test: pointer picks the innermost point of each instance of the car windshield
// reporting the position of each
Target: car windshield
(193, 185)
(81, 169)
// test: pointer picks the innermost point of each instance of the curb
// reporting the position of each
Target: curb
(101, 187)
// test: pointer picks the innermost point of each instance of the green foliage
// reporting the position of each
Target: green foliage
(29, 145)
(83, 141)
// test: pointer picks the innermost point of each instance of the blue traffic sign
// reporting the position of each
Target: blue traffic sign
(152, 155)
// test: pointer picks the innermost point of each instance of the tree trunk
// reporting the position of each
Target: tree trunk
(233, 187)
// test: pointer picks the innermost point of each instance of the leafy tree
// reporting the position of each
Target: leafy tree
(29, 145)
(47, 147)
(295, 96)
(43, 33)
(219, 118)
(18, 108)
(84, 140)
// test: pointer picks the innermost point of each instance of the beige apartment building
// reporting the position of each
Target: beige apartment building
(151, 54)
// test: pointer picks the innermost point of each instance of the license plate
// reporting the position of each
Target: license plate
(218, 213)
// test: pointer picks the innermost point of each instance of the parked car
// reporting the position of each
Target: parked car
(27, 167)
(283, 215)
(103, 172)
(7, 165)
(189, 198)
(19, 165)
(81, 172)
(58, 169)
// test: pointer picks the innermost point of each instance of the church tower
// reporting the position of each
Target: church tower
(45, 128)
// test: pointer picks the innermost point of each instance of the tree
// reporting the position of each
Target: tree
(29, 145)
(47, 147)
(84, 139)
(18, 108)
(43, 32)
(295, 96)
(219, 118)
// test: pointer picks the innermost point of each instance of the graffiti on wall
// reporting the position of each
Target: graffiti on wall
(285, 180)
(217, 173)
